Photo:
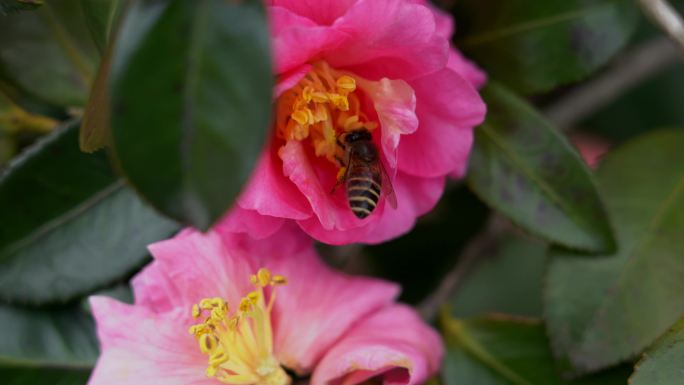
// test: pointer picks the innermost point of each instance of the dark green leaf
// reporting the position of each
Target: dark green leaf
(47, 54)
(11, 6)
(508, 280)
(662, 363)
(74, 225)
(502, 351)
(528, 171)
(536, 45)
(601, 311)
(41, 347)
(102, 16)
(436, 240)
(191, 102)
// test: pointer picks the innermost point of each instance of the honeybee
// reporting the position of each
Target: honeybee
(364, 178)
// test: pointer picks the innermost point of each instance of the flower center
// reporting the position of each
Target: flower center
(321, 107)
(240, 346)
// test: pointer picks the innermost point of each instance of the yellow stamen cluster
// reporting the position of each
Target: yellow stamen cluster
(322, 106)
(240, 345)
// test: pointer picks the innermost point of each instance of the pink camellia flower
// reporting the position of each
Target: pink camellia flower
(230, 309)
(346, 69)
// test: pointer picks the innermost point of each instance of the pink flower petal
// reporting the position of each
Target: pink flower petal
(290, 79)
(448, 108)
(466, 68)
(394, 344)
(240, 220)
(395, 105)
(270, 193)
(415, 197)
(315, 178)
(140, 347)
(318, 305)
(189, 268)
(392, 38)
(322, 12)
(296, 39)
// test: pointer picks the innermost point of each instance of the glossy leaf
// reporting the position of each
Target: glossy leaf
(11, 6)
(662, 363)
(191, 102)
(47, 55)
(506, 351)
(527, 171)
(55, 346)
(605, 310)
(75, 226)
(533, 46)
(507, 280)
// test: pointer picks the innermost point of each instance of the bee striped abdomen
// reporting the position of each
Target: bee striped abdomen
(363, 190)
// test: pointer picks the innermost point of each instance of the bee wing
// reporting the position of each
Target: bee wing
(387, 188)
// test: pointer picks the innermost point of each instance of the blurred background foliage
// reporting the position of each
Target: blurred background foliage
(546, 271)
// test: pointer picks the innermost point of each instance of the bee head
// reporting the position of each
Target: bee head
(355, 136)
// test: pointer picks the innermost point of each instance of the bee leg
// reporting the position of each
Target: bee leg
(340, 179)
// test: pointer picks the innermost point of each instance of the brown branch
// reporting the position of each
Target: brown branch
(629, 70)
(476, 249)
(666, 17)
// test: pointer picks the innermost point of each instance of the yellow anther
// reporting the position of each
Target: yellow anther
(239, 346)
(264, 276)
(279, 280)
(346, 84)
(245, 305)
(321, 113)
(253, 297)
(339, 101)
(319, 97)
(301, 116)
(207, 343)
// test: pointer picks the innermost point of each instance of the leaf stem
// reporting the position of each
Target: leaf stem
(666, 17)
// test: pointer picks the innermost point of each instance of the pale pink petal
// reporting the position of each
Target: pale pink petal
(393, 344)
(240, 220)
(466, 68)
(318, 305)
(391, 38)
(296, 39)
(395, 105)
(415, 196)
(448, 107)
(270, 193)
(323, 12)
(192, 267)
(140, 347)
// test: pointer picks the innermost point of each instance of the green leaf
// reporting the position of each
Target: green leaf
(662, 363)
(526, 170)
(47, 54)
(534, 45)
(40, 346)
(601, 311)
(506, 351)
(506, 280)
(436, 240)
(191, 102)
(102, 16)
(74, 225)
(11, 6)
